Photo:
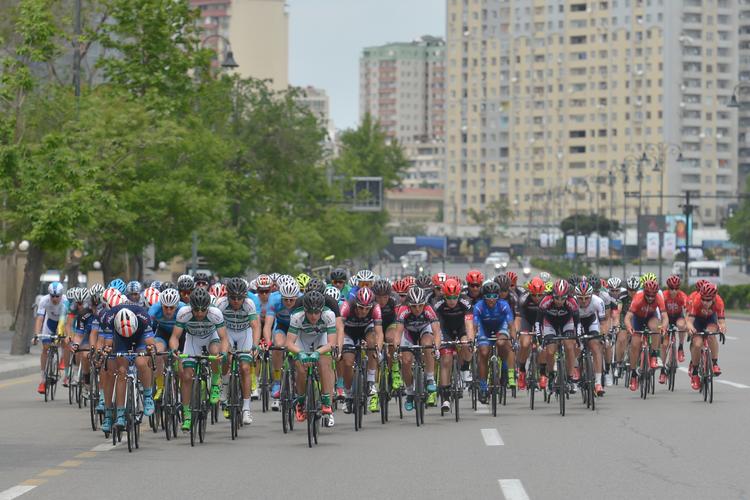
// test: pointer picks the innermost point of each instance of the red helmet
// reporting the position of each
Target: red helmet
(438, 279)
(699, 284)
(560, 288)
(673, 282)
(474, 277)
(365, 297)
(263, 282)
(409, 280)
(513, 278)
(151, 295)
(451, 288)
(218, 290)
(650, 288)
(536, 286)
(401, 287)
(454, 277)
(708, 291)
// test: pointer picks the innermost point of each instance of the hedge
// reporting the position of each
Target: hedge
(736, 296)
(559, 268)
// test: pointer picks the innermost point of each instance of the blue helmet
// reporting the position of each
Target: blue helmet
(155, 284)
(133, 287)
(55, 288)
(118, 284)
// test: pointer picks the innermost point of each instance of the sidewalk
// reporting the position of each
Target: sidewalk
(16, 366)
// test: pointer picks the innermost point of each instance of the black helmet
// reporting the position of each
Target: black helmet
(200, 299)
(165, 285)
(424, 281)
(202, 278)
(339, 274)
(185, 282)
(595, 282)
(573, 280)
(316, 284)
(236, 287)
(313, 301)
(491, 287)
(381, 287)
(503, 282)
(416, 296)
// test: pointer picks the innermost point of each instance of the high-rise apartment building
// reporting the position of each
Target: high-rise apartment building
(588, 86)
(258, 32)
(316, 100)
(743, 153)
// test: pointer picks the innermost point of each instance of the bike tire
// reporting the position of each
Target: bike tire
(361, 402)
(399, 402)
(493, 388)
(129, 415)
(232, 409)
(561, 382)
(310, 410)
(356, 390)
(383, 392)
(417, 373)
(195, 395)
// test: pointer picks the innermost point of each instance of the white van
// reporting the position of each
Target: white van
(709, 270)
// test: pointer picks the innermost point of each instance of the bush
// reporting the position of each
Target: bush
(735, 297)
(561, 269)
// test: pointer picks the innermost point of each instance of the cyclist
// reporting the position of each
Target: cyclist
(558, 316)
(474, 280)
(202, 280)
(362, 321)
(48, 313)
(625, 298)
(493, 317)
(593, 317)
(528, 309)
(676, 302)
(185, 286)
(401, 288)
(243, 329)
(311, 335)
(278, 316)
(437, 287)
(163, 315)
(85, 328)
(417, 325)
(646, 311)
(456, 324)
(508, 295)
(705, 314)
(133, 292)
(389, 303)
(363, 279)
(204, 327)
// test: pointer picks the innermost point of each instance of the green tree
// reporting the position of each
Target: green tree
(738, 225)
(492, 219)
(589, 223)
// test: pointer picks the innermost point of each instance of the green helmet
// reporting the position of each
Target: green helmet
(648, 277)
(302, 280)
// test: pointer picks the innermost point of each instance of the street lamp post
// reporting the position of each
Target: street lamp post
(228, 62)
(611, 211)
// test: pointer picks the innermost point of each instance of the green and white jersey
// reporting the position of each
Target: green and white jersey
(237, 320)
(202, 329)
(312, 336)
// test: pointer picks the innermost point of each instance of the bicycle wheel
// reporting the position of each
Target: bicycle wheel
(195, 397)
(383, 391)
(232, 403)
(356, 390)
(137, 417)
(310, 408)
(493, 379)
(590, 382)
(79, 386)
(643, 365)
(264, 389)
(94, 402)
(418, 382)
(129, 415)
(672, 370)
(562, 388)
(360, 403)
(456, 387)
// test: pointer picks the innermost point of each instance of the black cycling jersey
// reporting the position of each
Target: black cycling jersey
(453, 319)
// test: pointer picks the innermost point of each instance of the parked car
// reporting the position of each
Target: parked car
(498, 260)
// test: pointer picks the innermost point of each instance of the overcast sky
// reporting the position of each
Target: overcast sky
(326, 38)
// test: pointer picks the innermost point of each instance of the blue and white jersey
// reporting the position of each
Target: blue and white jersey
(492, 320)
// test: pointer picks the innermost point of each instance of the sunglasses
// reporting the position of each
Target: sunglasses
(360, 306)
(338, 282)
(169, 307)
(236, 297)
(365, 284)
(707, 301)
(55, 296)
(200, 309)
(491, 296)
(474, 285)
(264, 291)
(289, 299)
(451, 297)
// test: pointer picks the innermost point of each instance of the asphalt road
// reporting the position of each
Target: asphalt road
(672, 445)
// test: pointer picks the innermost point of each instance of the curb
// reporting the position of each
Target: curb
(19, 372)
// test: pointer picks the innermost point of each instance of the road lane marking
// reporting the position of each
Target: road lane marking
(492, 437)
(70, 463)
(34, 482)
(513, 489)
(725, 382)
(730, 338)
(15, 491)
(52, 473)
(16, 381)
(86, 454)
(103, 447)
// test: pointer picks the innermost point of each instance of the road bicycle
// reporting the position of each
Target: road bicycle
(706, 366)
(133, 397)
(200, 406)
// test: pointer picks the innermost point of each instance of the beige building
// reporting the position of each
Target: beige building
(316, 100)
(413, 205)
(258, 33)
(588, 86)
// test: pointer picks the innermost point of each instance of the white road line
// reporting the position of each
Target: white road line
(103, 447)
(15, 491)
(725, 382)
(513, 489)
(492, 437)
(730, 338)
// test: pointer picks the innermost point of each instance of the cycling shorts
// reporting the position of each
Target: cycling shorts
(243, 339)
(674, 319)
(410, 339)
(135, 343)
(640, 324)
(701, 324)
(568, 330)
(49, 327)
(483, 338)
(194, 345)
(590, 325)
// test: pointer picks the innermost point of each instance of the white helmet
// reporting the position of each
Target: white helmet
(289, 289)
(333, 292)
(169, 297)
(126, 323)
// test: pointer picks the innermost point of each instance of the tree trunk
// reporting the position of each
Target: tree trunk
(107, 264)
(24, 320)
(72, 272)
(138, 267)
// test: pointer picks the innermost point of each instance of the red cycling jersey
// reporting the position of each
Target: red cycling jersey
(698, 310)
(675, 302)
(644, 310)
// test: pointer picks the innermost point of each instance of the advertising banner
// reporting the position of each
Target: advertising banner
(670, 246)
(652, 245)
(570, 244)
(604, 248)
(581, 244)
(591, 247)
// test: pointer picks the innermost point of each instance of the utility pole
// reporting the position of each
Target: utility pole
(77, 53)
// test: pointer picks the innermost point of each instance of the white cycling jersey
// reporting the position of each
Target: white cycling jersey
(312, 336)
(594, 307)
(237, 320)
(202, 329)
(51, 313)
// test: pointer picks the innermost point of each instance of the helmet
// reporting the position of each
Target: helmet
(633, 283)
(451, 288)
(133, 287)
(316, 284)
(584, 289)
(155, 284)
(55, 288)
(382, 287)
(289, 290)
(109, 294)
(263, 282)
(513, 278)
(96, 291)
(614, 283)
(365, 275)
(548, 287)
(423, 281)
(536, 286)
(302, 280)
(218, 290)
(545, 276)
(401, 287)
(673, 282)
(409, 280)
(708, 291)
(126, 323)
(200, 299)
(332, 292)
(650, 288)
(117, 283)
(166, 285)
(365, 297)
(81, 295)
(416, 296)
(274, 276)
(339, 274)
(169, 297)
(560, 288)
(490, 287)
(151, 295)
(573, 280)
(236, 287)
(70, 294)
(474, 277)
(313, 301)
(503, 282)
(438, 279)
(116, 300)
(699, 284)
(595, 282)
(648, 277)
(202, 278)
(285, 278)
(185, 282)
(353, 281)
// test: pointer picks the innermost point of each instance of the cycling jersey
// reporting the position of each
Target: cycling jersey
(312, 336)
(390, 310)
(676, 301)
(528, 310)
(238, 322)
(355, 328)
(277, 311)
(555, 318)
(592, 315)
(137, 341)
(491, 320)
(162, 325)
(645, 310)
(331, 304)
(51, 313)
(453, 319)
(697, 309)
(416, 325)
(609, 301)
(199, 333)
(84, 323)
